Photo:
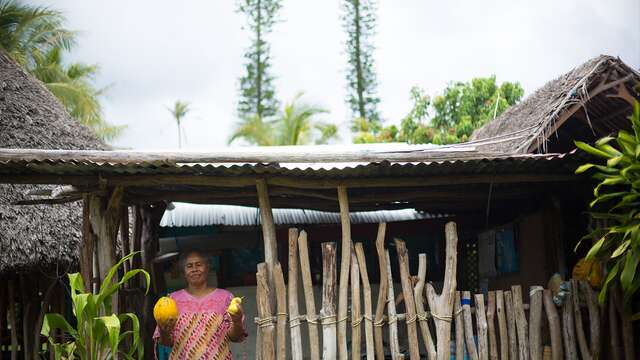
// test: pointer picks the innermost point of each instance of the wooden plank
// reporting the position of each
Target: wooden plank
(310, 304)
(328, 310)
(418, 294)
(553, 319)
(268, 230)
(511, 322)
(13, 321)
(265, 324)
(535, 322)
(459, 328)
(292, 291)
(410, 305)
(356, 319)
(345, 262)
(491, 327)
(472, 353)
(502, 325)
(394, 346)
(382, 292)
(568, 329)
(521, 323)
(594, 318)
(281, 314)
(368, 307)
(442, 305)
(481, 322)
(577, 318)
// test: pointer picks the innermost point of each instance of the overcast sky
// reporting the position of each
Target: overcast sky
(154, 52)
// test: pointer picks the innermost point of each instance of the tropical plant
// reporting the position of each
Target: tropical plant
(257, 93)
(179, 111)
(359, 22)
(617, 205)
(97, 333)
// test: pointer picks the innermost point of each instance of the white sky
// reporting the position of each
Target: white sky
(152, 53)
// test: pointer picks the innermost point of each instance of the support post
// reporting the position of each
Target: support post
(394, 346)
(281, 312)
(468, 326)
(481, 323)
(418, 294)
(491, 325)
(382, 292)
(568, 329)
(265, 326)
(557, 352)
(268, 231)
(502, 325)
(87, 246)
(521, 323)
(310, 304)
(356, 319)
(594, 318)
(368, 307)
(535, 322)
(345, 261)
(577, 318)
(410, 305)
(511, 321)
(457, 308)
(294, 311)
(328, 310)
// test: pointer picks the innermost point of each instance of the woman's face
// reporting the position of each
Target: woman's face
(196, 269)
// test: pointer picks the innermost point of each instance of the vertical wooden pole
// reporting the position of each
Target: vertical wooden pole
(457, 309)
(568, 329)
(124, 235)
(627, 326)
(468, 326)
(25, 301)
(502, 325)
(491, 315)
(382, 292)
(557, 352)
(268, 230)
(594, 318)
(418, 294)
(345, 261)
(577, 318)
(368, 307)
(521, 323)
(281, 314)
(442, 305)
(535, 322)
(87, 246)
(356, 320)
(410, 305)
(265, 324)
(294, 311)
(328, 310)
(12, 319)
(511, 322)
(394, 346)
(310, 304)
(481, 322)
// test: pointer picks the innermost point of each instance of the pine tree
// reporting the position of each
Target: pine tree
(257, 93)
(359, 22)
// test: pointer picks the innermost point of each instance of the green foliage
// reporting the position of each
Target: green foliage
(359, 22)
(294, 125)
(97, 335)
(617, 204)
(36, 38)
(257, 93)
(179, 111)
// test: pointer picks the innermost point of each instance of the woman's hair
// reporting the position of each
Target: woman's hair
(182, 259)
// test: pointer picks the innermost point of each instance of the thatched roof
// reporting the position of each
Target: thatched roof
(31, 117)
(576, 105)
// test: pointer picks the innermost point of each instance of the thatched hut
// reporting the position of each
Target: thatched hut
(38, 243)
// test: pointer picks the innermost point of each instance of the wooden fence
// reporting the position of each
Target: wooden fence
(452, 324)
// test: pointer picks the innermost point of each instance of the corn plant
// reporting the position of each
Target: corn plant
(97, 335)
(617, 205)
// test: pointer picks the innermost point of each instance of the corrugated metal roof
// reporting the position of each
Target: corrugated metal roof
(185, 214)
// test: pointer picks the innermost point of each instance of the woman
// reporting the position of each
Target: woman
(203, 328)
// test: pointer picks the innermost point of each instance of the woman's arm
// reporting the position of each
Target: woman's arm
(165, 332)
(237, 332)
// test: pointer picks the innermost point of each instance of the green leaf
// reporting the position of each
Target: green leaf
(106, 282)
(136, 344)
(56, 321)
(604, 140)
(591, 150)
(112, 325)
(629, 271)
(607, 197)
(602, 297)
(595, 249)
(620, 250)
(583, 168)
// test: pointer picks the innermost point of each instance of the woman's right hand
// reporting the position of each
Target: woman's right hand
(167, 326)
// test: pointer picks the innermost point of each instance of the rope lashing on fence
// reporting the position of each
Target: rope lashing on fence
(535, 289)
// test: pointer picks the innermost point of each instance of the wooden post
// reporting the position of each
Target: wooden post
(568, 329)
(12, 319)
(442, 305)
(268, 230)
(105, 220)
(468, 326)
(368, 308)
(459, 328)
(557, 352)
(627, 326)
(481, 322)
(511, 322)
(382, 292)
(521, 323)
(294, 311)
(265, 324)
(535, 322)
(356, 320)
(124, 235)
(394, 346)
(345, 261)
(410, 305)
(25, 301)
(87, 246)
(281, 314)
(594, 318)
(502, 325)
(418, 294)
(328, 310)
(577, 318)
(491, 315)
(310, 304)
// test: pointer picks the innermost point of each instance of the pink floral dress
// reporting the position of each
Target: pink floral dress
(202, 326)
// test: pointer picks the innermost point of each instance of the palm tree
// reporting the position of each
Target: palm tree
(255, 131)
(179, 111)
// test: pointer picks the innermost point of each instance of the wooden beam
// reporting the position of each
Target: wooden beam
(345, 262)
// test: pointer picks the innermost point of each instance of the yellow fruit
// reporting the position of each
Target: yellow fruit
(236, 300)
(233, 308)
(165, 309)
